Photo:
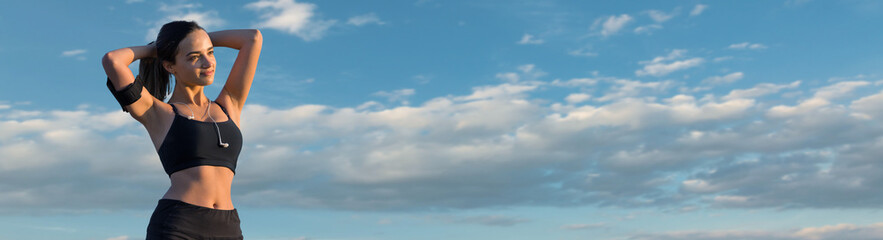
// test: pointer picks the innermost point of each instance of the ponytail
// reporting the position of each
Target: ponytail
(154, 77)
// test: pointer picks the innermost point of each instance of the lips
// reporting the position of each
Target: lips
(209, 73)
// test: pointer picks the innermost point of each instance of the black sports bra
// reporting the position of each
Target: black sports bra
(190, 143)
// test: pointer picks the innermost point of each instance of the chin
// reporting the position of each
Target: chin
(208, 81)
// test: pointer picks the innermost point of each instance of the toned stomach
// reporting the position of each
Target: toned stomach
(207, 186)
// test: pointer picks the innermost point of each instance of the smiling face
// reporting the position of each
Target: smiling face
(195, 61)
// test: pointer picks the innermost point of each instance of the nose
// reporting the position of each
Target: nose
(207, 63)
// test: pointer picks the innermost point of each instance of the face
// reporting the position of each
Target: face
(195, 60)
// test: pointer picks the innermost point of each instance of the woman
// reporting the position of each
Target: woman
(198, 140)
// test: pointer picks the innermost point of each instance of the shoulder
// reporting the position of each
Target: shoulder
(229, 105)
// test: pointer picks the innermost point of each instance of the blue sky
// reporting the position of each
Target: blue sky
(428, 119)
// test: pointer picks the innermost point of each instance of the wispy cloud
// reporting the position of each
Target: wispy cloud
(648, 29)
(584, 226)
(577, 97)
(760, 90)
(664, 65)
(612, 24)
(75, 53)
(660, 16)
(366, 19)
(526, 73)
(585, 51)
(830, 232)
(729, 78)
(189, 12)
(698, 9)
(721, 59)
(486, 220)
(400, 95)
(529, 39)
(291, 17)
(747, 45)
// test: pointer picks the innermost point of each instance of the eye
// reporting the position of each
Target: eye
(212, 52)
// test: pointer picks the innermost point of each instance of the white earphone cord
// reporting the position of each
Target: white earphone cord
(220, 141)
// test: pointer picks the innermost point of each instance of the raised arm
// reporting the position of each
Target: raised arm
(116, 66)
(248, 42)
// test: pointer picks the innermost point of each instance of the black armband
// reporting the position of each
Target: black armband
(128, 95)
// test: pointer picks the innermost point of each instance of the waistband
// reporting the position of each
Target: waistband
(170, 202)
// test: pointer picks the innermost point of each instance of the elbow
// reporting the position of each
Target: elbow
(107, 60)
(257, 37)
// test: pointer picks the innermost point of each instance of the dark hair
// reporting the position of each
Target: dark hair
(151, 71)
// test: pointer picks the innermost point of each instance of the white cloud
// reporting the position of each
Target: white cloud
(648, 29)
(369, 18)
(291, 17)
(503, 90)
(133, 1)
(422, 79)
(528, 73)
(119, 238)
(583, 52)
(839, 90)
(729, 78)
(822, 99)
(698, 9)
(721, 59)
(400, 95)
(612, 24)
(584, 226)
(698, 185)
(760, 90)
(663, 65)
(730, 200)
(829, 232)
(529, 39)
(76, 53)
(577, 97)
(507, 144)
(576, 82)
(487, 220)
(624, 88)
(71, 53)
(508, 76)
(659, 16)
(869, 106)
(747, 45)
(186, 12)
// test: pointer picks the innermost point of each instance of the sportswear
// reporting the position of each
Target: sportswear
(190, 143)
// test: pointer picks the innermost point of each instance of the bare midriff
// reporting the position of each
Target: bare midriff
(207, 186)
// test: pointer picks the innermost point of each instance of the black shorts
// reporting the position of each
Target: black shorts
(179, 220)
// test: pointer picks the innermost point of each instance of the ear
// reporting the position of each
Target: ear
(168, 66)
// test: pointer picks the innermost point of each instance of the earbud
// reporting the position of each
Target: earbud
(221, 142)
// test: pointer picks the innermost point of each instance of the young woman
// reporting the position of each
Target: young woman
(198, 140)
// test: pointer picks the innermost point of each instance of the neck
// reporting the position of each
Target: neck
(188, 94)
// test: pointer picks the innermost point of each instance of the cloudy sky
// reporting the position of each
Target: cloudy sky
(430, 119)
